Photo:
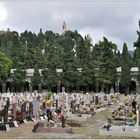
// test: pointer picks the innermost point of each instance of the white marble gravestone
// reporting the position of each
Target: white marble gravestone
(7, 127)
(36, 107)
(15, 123)
(112, 90)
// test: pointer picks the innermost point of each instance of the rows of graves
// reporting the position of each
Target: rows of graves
(124, 119)
(51, 112)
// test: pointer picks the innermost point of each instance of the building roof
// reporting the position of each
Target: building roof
(119, 69)
(133, 69)
(29, 72)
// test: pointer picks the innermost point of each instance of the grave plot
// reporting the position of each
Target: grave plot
(124, 120)
(52, 120)
(4, 105)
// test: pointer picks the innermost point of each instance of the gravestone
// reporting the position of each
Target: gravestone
(134, 103)
(56, 103)
(36, 107)
(96, 100)
(63, 89)
(7, 127)
(25, 121)
(23, 111)
(112, 90)
(14, 106)
(6, 107)
(30, 110)
(15, 123)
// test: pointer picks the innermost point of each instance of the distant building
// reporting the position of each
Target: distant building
(117, 87)
(64, 27)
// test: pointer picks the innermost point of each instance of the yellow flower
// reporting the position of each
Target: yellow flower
(49, 102)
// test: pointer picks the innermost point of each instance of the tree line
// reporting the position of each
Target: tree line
(82, 62)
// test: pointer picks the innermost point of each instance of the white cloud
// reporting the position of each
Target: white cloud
(116, 20)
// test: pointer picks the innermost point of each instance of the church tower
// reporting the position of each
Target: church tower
(64, 27)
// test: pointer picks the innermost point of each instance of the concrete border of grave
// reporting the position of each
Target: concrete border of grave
(54, 130)
(73, 123)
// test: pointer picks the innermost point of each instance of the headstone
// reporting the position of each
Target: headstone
(14, 106)
(7, 127)
(96, 100)
(134, 104)
(56, 103)
(112, 90)
(15, 123)
(25, 121)
(6, 107)
(36, 107)
(63, 89)
(23, 111)
(30, 110)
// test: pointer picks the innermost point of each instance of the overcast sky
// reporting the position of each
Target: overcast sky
(118, 21)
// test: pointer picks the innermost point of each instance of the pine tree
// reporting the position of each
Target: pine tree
(126, 66)
(104, 62)
(36, 79)
(137, 52)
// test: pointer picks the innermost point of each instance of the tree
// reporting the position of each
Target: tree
(137, 52)
(117, 56)
(70, 63)
(5, 65)
(36, 79)
(19, 78)
(105, 69)
(87, 73)
(126, 66)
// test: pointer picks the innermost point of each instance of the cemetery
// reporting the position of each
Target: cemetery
(65, 113)
(63, 86)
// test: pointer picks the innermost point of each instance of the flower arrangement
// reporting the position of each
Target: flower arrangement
(49, 102)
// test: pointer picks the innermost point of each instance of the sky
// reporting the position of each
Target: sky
(116, 20)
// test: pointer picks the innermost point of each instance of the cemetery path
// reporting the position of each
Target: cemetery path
(89, 129)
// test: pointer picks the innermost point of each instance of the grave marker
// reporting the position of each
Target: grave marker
(7, 127)
(25, 121)
(15, 123)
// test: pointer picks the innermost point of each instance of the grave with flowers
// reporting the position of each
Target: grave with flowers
(124, 118)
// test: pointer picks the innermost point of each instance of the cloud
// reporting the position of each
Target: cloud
(116, 20)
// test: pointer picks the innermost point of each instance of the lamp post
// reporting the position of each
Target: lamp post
(59, 71)
(79, 74)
